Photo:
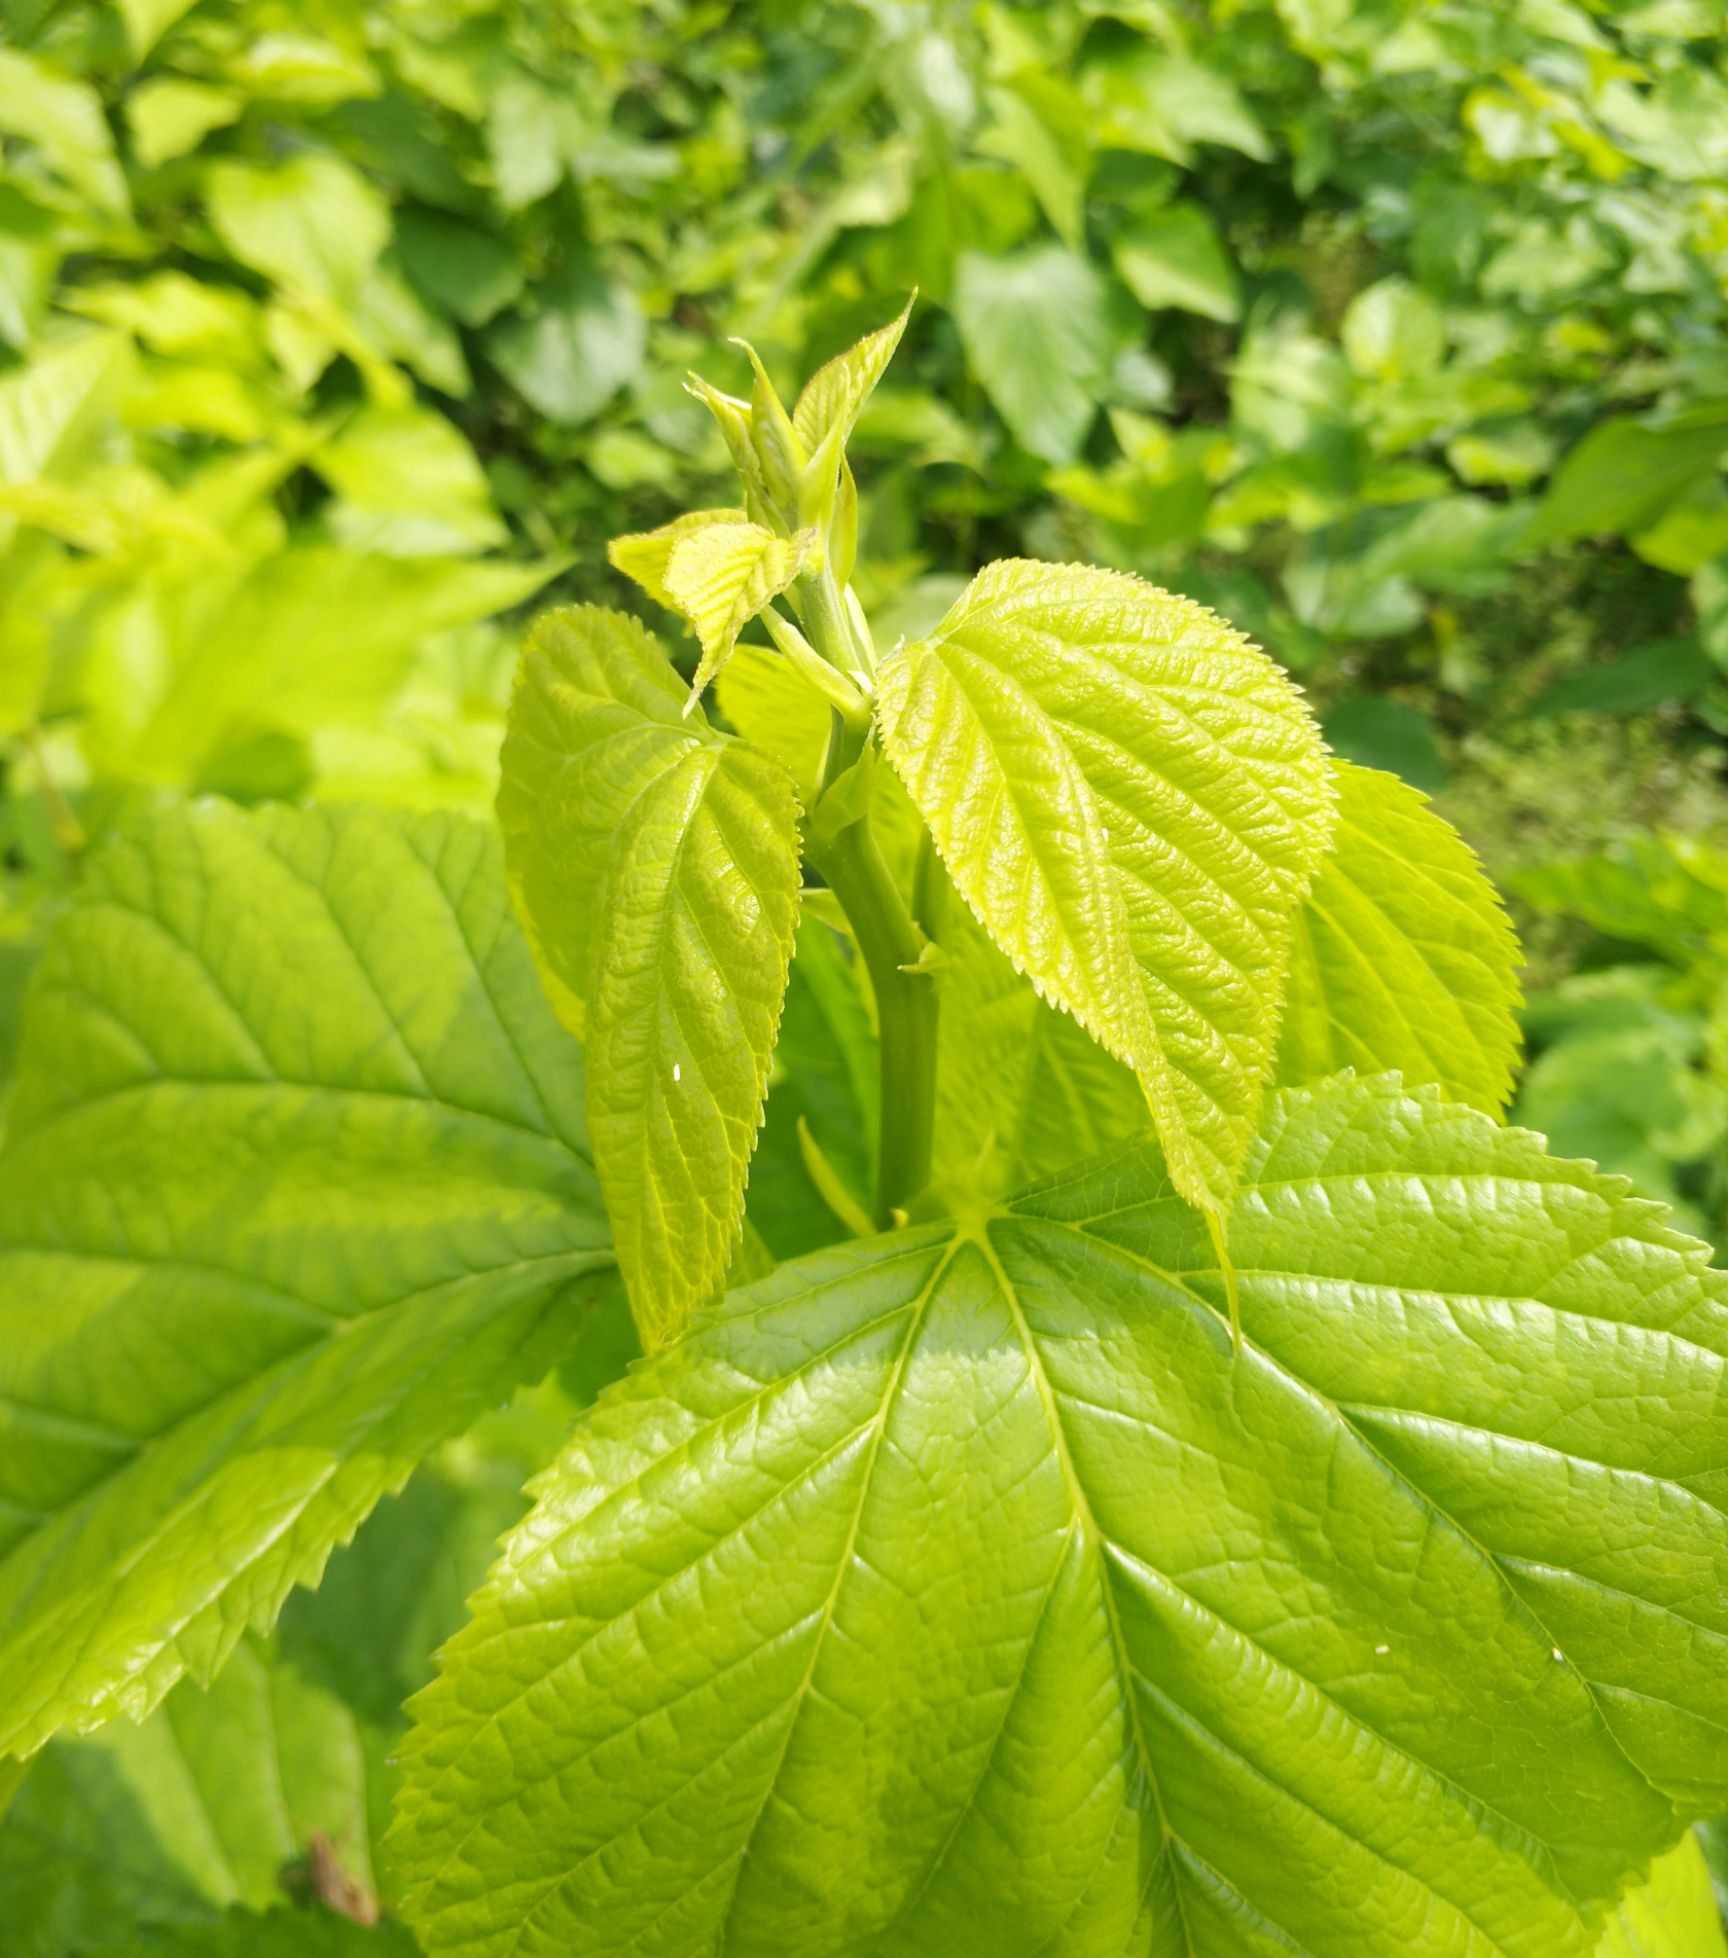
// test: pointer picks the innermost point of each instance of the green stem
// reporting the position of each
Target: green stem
(889, 940)
(906, 1012)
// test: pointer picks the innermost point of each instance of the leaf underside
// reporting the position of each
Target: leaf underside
(272, 1225)
(1132, 799)
(962, 1592)
(1404, 955)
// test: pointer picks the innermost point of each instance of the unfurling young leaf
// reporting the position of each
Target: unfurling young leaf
(644, 555)
(655, 863)
(1404, 955)
(722, 576)
(1133, 799)
(718, 569)
(958, 1592)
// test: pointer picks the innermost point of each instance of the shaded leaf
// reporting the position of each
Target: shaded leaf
(1037, 332)
(655, 861)
(269, 1231)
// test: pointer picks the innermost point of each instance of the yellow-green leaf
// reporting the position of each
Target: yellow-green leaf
(644, 554)
(835, 394)
(721, 575)
(1404, 955)
(1133, 799)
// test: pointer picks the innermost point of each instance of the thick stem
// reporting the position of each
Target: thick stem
(906, 1012)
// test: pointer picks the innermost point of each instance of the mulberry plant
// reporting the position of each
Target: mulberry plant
(1147, 1464)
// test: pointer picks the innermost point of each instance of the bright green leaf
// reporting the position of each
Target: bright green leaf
(1404, 956)
(1671, 1915)
(310, 637)
(64, 119)
(1175, 257)
(409, 485)
(148, 20)
(170, 117)
(295, 1183)
(835, 394)
(1393, 331)
(775, 709)
(962, 1591)
(313, 224)
(655, 862)
(1132, 799)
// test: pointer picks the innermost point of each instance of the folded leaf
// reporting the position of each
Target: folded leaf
(958, 1591)
(834, 396)
(271, 1227)
(1133, 799)
(721, 575)
(644, 555)
(655, 862)
(1404, 955)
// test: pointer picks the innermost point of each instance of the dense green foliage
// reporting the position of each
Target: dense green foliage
(1191, 1499)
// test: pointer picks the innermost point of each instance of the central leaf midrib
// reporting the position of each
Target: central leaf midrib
(1091, 1534)
(1487, 1556)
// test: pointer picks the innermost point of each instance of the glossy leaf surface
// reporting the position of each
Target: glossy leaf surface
(962, 1591)
(272, 1225)
(1132, 799)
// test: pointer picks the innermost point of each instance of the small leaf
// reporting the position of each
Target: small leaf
(958, 1592)
(835, 394)
(645, 554)
(313, 223)
(1626, 471)
(1132, 799)
(271, 1228)
(1404, 955)
(721, 575)
(64, 119)
(655, 862)
(582, 342)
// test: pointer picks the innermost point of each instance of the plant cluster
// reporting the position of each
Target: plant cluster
(1209, 1487)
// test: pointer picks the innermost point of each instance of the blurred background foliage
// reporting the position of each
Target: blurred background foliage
(333, 335)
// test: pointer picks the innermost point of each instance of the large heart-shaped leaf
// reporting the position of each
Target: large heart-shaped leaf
(296, 1183)
(962, 1591)
(1133, 799)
